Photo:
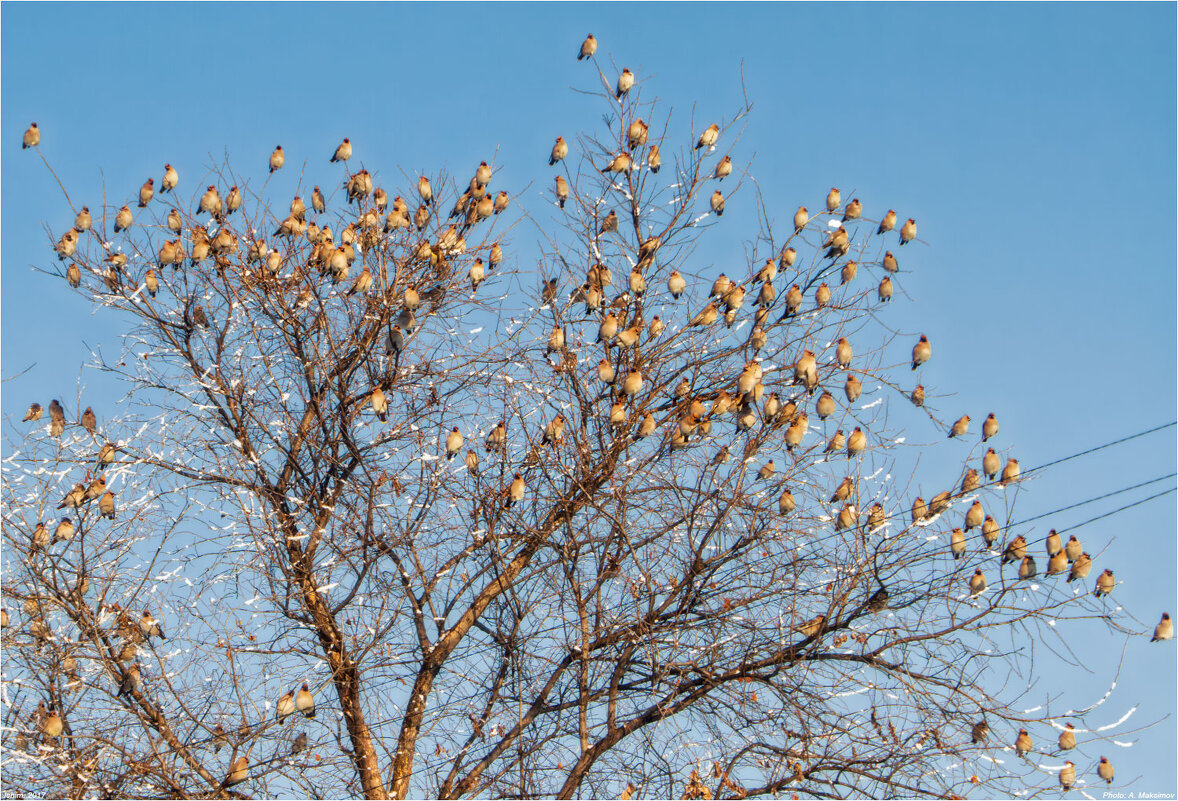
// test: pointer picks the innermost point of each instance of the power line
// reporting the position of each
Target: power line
(1098, 448)
(1115, 511)
(1094, 499)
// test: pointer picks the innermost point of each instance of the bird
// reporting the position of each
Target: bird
(878, 600)
(989, 427)
(767, 471)
(853, 210)
(801, 217)
(106, 505)
(990, 531)
(786, 502)
(723, 168)
(676, 284)
(632, 383)
(653, 159)
(1027, 569)
(1015, 550)
(554, 431)
(921, 352)
(146, 192)
(88, 420)
(562, 190)
(515, 492)
(1010, 472)
(970, 481)
(277, 158)
(1104, 583)
(957, 543)
(123, 219)
(833, 199)
(887, 223)
(637, 133)
(1023, 743)
(41, 537)
(1067, 775)
(619, 163)
(363, 282)
(1057, 563)
(625, 83)
(980, 731)
(32, 137)
(175, 223)
(1164, 630)
(233, 202)
(885, 289)
(908, 232)
(501, 201)
(588, 48)
(1067, 738)
(131, 681)
(497, 437)
(64, 531)
(472, 462)
(709, 137)
(151, 281)
(1105, 770)
(56, 417)
(977, 583)
(50, 722)
(33, 414)
(238, 772)
(83, 221)
(150, 627)
(395, 342)
(343, 152)
(74, 498)
(812, 627)
(876, 518)
(843, 491)
(1054, 543)
(706, 316)
(961, 427)
(305, 702)
(453, 443)
(890, 264)
(856, 443)
(825, 405)
(285, 707)
(821, 295)
(717, 203)
(559, 151)
(210, 202)
(843, 353)
(990, 464)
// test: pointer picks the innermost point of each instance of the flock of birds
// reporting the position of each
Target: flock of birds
(692, 414)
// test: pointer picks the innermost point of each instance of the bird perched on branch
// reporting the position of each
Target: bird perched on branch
(343, 152)
(921, 352)
(32, 137)
(150, 627)
(625, 83)
(709, 137)
(1164, 630)
(305, 702)
(588, 48)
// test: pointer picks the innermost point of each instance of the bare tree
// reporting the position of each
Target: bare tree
(668, 553)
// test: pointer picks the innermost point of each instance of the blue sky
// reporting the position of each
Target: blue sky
(1033, 143)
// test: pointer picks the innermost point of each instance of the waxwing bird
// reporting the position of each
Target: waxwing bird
(709, 137)
(64, 531)
(683, 388)
(395, 342)
(151, 281)
(653, 159)
(88, 420)
(33, 414)
(1164, 630)
(1016, 549)
(74, 498)
(210, 202)
(908, 232)
(132, 679)
(1057, 563)
(343, 152)
(706, 316)
(980, 730)
(123, 219)
(380, 404)
(233, 203)
(562, 190)
(723, 169)
(989, 427)
(285, 707)
(843, 491)
(767, 471)
(939, 503)
(68, 244)
(1010, 472)
(170, 180)
(608, 328)
(647, 426)
(554, 431)
(150, 627)
(497, 437)
(106, 505)
(199, 317)
(318, 202)
(619, 163)
(1105, 583)
(1027, 569)
(588, 48)
(856, 443)
(758, 338)
(1054, 543)
(610, 223)
(959, 428)
(833, 199)
(41, 538)
(638, 133)
(786, 503)
(718, 203)
(1073, 549)
(921, 352)
(632, 383)
(472, 462)
(299, 745)
(453, 443)
(175, 223)
(806, 369)
(975, 516)
(887, 223)
(501, 201)
(625, 83)
(876, 518)
(305, 702)
(801, 217)
(990, 531)
(1105, 770)
(32, 137)
(83, 221)
(788, 257)
(1067, 775)
(146, 192)
(605, 371)
(848, 272)
(363, 282)
(977, 584)
(676, 284)
(990, 464)
(515, 493)
(957, 543)
(55, 411)
(720, 287)
(277, 159)
(555, 340)
(96, 488)
(617, 413)
(853, 210)
(1023, 743)
(1067, 738)
(238, 772)
(73, 276)
(885, 289)
(890, 264)
(843, 353)
(821, 295)
(812, 627)
(917, 396)
(51, 724)
(559, 151)
(825, 405)
(3, 618)
(878, 600)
